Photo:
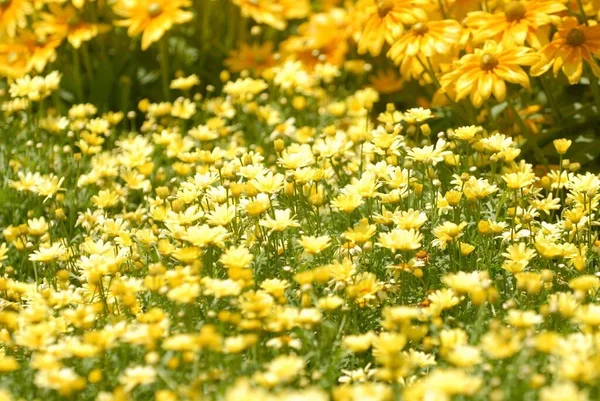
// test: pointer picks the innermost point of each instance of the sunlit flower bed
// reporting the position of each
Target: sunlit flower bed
(288, 232)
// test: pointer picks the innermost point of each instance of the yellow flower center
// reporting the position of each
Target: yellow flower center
(575, 37)
(488, 62)
(420, 28)
(154, 10)
(384, 7)
(12, 57)
(514, 11)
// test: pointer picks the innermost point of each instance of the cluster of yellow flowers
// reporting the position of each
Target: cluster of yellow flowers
(275, 243)
(284, 229)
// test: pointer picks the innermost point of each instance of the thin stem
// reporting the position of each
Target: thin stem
(77, 75)
(594, 86)
(164, 67)
(87, 62)
(583, 15)
(430, 70)
(442, 9)
(551, 99)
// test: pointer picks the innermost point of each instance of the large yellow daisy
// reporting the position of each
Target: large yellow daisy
(151, 18)
(486, 71)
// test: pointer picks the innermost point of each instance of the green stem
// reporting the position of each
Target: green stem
(87, 62)
(442, 9)
(551, 99)
(164, 67)
(583, 15)
(594, 86)
(77, 75)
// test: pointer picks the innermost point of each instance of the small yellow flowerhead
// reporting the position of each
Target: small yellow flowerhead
(562, 145)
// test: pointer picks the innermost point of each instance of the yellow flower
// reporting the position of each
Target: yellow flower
(255, 57)
(66, 23)
(589, 315)
(407, 219)
(520, 179)
(236, 258)
(464, 356)
(8, 363)
(267, 12)
(426, 39)
(523, 319)
(314, 245)
(245, 88)
(364, 289)
(151, 18)
(562, 391)
(361, 232)
(25, 52)
(137, 375)
(465, 133)
(562, 145)
(484, 72)
(430, 154)
(401, 240)
(347, 202)
(385, 20)
(518, 257)
(386, 81)
(49, 253)
(358, 343)
(185, 83)
(13, 15)
(447, 232)
(571, 45)
(282, 220)
(282, 369)
(519, 22)
(442, 300)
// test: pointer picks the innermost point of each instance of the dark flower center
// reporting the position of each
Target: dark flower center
(575, 37)
(154, 10)
(384, 7)
(514, 11)
(420, 28)
(488, 62)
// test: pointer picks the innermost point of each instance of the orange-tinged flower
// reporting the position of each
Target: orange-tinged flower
(386, 20)
(65, 23)
(484, 72)
(264, 12)
(520, 21)
(572, 44)
(295, 9)
(254, 57)
(321, 39)
(426, 39)
(26, 52)
(14, 60)
(151, 18)
(386, 82)
(13, 15)
(38, 51)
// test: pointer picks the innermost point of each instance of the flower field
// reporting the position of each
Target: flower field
(287, 200)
